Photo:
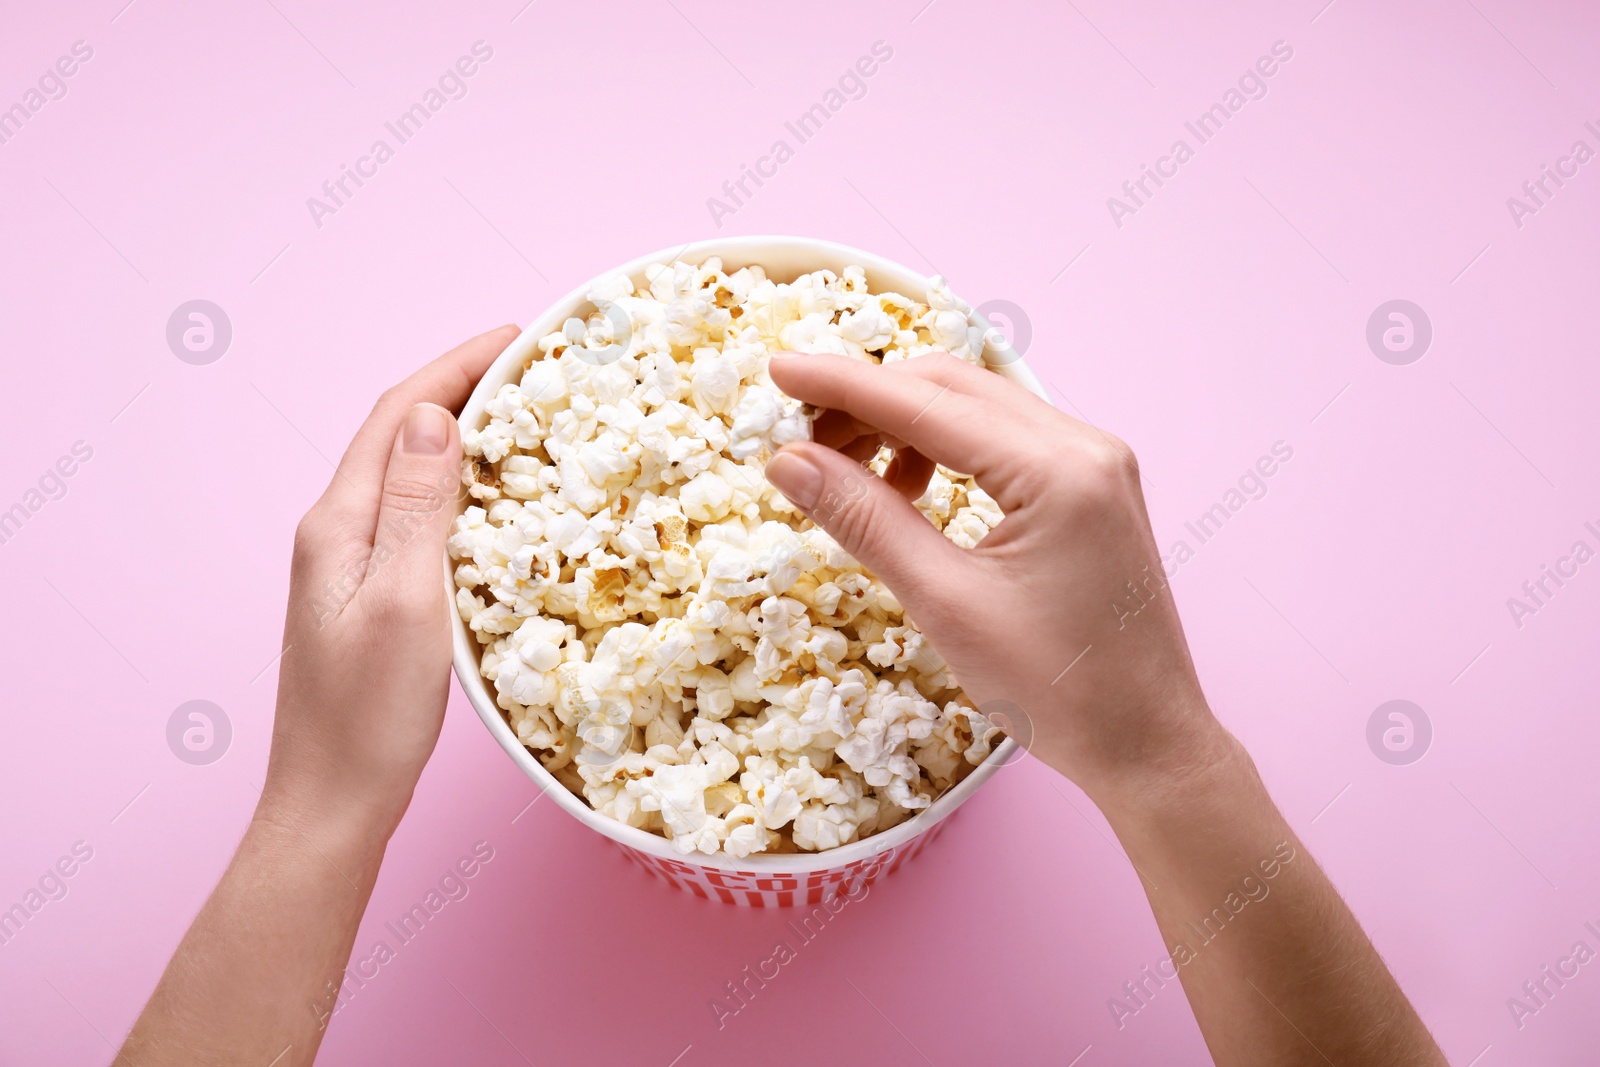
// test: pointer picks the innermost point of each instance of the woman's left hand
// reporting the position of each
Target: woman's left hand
(366, 663)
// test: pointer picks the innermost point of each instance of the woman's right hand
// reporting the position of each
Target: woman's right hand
(1062, 610)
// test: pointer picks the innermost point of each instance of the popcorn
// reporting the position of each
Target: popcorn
(706, 497)
(765, 421)
(671, 638)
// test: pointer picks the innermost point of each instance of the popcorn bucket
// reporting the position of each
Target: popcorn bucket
(761, 880)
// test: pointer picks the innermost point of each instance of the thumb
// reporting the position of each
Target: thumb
(870, 520)
(416, 509)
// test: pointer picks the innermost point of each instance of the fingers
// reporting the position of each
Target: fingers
(862, 449)
(357, 485)
(416, 508)
(954, 413)
(838, 428)
(909, 472)
(869, 519)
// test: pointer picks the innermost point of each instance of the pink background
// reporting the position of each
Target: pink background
(1222, 317)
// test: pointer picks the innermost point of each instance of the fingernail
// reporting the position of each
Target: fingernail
(796, 478)
(427, 431)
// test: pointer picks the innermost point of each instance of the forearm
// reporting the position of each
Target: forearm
(255, 977)
(1275, 966)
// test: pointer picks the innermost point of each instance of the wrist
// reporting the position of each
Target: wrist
(328, 817)
(1193, 760)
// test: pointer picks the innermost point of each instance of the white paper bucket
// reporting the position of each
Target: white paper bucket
(761, 880)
